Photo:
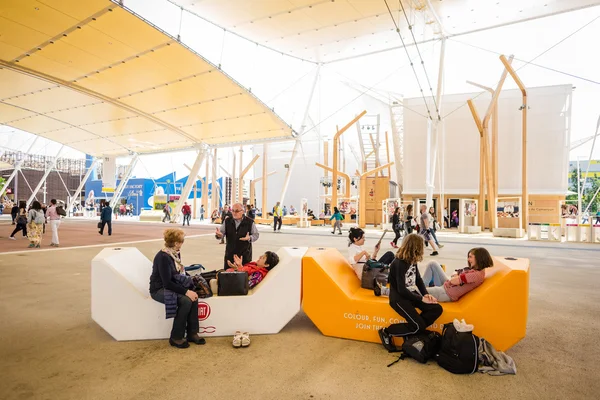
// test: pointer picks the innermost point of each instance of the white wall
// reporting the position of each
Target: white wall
(548, 142)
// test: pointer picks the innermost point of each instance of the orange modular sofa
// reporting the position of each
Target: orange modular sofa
(339, 307)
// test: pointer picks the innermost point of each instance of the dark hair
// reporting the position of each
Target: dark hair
(355, 233)
(335, 210)
(36, 205)
(482, 257)
(248, 207)
(22, 204)
(409, 208)
(272, 260)
(53, 201)
(396, 210)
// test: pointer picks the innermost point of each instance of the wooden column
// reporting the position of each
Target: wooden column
(387, 149)
(264, 181)
(253, 186)
(242, 174)
(326, 162)
(524, 193)
(343, 175)
(334, 192)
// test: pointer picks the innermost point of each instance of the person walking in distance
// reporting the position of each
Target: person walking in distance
(397, 226)
(167, 212)
(425, 226)
(277, 218)
(20, 220)
(337, 215)
(105, 218)
(241, 232)
(54, 221)
(186, 210)
(201, 213)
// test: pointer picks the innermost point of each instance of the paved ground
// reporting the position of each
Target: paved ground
(51, 349)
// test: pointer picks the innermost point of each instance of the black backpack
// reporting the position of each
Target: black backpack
(459, 352)
(421, 346)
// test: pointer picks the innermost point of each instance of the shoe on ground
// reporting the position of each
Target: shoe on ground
(31, 245)
(237, 340)
(386, 340)
(376, 287)
(340, 233)
(100, 233)
(12, 238)
(180, 344)
(194, 338)
(245, 339)
(440, 245)
(435, 253)
(332, 232)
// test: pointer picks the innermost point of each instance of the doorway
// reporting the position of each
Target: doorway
(454, 206)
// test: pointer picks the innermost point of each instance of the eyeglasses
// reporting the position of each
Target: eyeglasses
(237, 210)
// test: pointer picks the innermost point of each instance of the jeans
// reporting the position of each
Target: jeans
(186, 317)
(277, 223)
(337, 225)
(166, 217)
(434, 273)
(432, 231)
(186, 217)
(109, 223)
(387, 258)
(54, 224)
(398, 235)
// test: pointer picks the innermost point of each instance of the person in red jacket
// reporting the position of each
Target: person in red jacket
(186, 210)
(256, 270)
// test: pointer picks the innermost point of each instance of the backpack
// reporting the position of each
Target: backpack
(421, 346)
(459, 351)
(61, 211)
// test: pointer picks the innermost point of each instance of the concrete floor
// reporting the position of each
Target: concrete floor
(51, 349)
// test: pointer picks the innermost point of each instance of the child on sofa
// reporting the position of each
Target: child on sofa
(446, 289)
(256, 270)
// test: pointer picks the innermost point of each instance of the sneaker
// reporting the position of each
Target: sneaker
(237, 339)
(340, 233)
(376, 288)
(394, 245)
(245, 339)
(386, 340)
(333, 232)
(12, 238)
(31, 245)
(435, 253)
(440, 245)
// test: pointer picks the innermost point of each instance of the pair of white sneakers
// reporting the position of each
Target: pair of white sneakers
(241, 339)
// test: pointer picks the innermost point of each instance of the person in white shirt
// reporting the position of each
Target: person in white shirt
(357, 256)
(54, 221)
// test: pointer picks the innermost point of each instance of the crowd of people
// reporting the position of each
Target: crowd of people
(32, 220)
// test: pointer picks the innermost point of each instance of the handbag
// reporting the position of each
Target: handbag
(201, 287)
(372, 272)
(233, 283)
(99, 225)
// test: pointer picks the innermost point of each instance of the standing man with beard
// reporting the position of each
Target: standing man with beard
(240, 232)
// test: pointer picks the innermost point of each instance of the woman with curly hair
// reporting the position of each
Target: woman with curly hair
(407, 293)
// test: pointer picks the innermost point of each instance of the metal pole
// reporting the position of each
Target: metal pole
(215, 195)
(16, 170)
(264, 181)
(233, 179)
(288, 174)
(241, 180)
(121, 187)
(190, 182)
(43, 180)
(578, 193)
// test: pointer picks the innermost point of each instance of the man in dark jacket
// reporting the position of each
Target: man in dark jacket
(105, 218)
(14, 211)
(241, 232)
(225, 214)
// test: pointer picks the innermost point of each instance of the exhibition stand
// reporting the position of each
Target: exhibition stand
(467, 221)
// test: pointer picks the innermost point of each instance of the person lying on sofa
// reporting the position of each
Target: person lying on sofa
(446, 289)
(169, 285)
(257, 270)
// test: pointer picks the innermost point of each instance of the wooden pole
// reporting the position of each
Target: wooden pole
(264, 182)
(195, 198)
(343, 175)
(362, 205)
(480, 215)
(326, 162)
(253, 186)
(524, 193)
(205, 190)
(387, 149)
(336, 137)
(242, 174)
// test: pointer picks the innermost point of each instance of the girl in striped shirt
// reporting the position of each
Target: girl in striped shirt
(461, 283)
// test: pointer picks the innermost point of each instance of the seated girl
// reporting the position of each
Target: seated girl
(446, 289)
(467, 279)
(407, 293)
(256, 270)
(357, 256)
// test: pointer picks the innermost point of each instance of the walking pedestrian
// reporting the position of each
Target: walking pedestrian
(54, 221)
(277, 218)
(397, 226)
(201, 213)
(105, 218)
(35, 220)
(167, 212)
(186, 210)
(337, 215)
(20, 220)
